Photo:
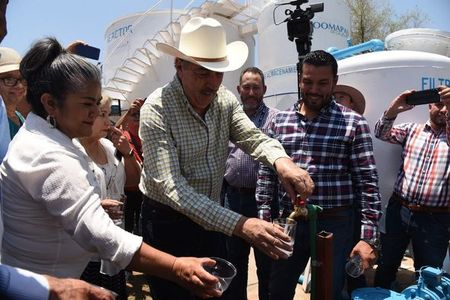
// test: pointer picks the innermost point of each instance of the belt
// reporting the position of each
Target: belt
(333, 213)
(420, 208)
(159, 206)
(242, 190)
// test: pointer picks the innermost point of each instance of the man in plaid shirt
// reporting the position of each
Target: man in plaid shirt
(185, 128)
(334, 145)
(419, 208)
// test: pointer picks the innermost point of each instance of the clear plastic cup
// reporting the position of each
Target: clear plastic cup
(223, 270)
(289, 228)
(354, 266)
(122, 198)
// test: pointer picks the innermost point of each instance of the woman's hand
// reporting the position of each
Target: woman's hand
(120, 141)
(189, 273)
(113, 208)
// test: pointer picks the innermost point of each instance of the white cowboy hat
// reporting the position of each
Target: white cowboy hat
(359, 103)
(203, 42)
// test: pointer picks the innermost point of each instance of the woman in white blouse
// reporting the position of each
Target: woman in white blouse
(113, 173)
(53, 220)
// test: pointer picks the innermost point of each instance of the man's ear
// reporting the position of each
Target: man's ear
(49, 103)
(238, 89)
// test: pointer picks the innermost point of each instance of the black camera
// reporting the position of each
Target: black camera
(299, 21)
(299, 25)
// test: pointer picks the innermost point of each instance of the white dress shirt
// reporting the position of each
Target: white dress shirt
(53, 221)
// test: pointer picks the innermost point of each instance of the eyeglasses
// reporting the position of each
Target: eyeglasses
(11, 81)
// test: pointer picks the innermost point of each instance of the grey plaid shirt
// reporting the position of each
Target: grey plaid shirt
(185, 155)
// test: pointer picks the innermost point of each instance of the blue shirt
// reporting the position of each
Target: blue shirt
(4, 130)
(241, 168)
(16, 283)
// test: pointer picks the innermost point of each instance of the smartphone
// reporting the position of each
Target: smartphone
(423, 97)
(87, 51)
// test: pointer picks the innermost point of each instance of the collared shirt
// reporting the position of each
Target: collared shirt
(336, 149)
(53, 221)
(241, 168)
(16, 283)
(185, 154)
(424, 175)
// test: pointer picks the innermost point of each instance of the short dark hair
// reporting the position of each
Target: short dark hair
(253, 70)
(320, 58)
(49, 68)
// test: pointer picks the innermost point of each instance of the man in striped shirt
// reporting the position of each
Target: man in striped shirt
(240, 183)
(419, 208)
(333, 144)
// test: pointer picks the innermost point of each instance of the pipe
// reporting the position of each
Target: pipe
(372, 45)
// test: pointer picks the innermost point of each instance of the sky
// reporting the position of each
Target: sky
(29, 20)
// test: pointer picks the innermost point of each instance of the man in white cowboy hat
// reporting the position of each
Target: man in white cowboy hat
(185, 129)
(350, 97)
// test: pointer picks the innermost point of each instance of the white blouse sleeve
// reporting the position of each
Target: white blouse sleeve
(65, 184)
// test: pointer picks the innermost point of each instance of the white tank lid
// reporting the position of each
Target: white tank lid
(392, 59)
(420, 39)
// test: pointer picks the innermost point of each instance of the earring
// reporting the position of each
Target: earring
(51, 121)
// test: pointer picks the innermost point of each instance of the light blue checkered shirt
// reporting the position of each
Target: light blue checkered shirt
(185, 155)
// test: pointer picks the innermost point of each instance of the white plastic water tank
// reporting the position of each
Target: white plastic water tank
(420, 39)
(278, 56)
(128, 33)
(381, 76)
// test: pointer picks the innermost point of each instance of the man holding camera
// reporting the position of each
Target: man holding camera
(419, 208)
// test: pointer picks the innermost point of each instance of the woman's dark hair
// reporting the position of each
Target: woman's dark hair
(49, 68)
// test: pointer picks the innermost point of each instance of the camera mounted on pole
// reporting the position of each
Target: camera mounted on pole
(300, 29)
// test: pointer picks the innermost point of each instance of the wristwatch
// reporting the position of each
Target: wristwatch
(374, 243)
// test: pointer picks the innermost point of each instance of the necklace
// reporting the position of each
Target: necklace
(97, 153)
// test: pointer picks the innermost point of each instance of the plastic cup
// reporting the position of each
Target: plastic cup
(122, 198)
(224, 271)
(354, 267)
(289, 228)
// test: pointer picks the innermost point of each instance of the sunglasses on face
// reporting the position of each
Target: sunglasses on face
(11, 81)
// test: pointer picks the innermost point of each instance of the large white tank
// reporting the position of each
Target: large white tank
(420, 39)
(277, 56)
(128, 33)
(381, 76)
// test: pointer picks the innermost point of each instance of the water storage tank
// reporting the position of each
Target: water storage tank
(278, 56)
(128, 33)
(420, 39)
(381, 76)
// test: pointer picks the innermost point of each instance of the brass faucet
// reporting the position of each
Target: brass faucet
(300, 211)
